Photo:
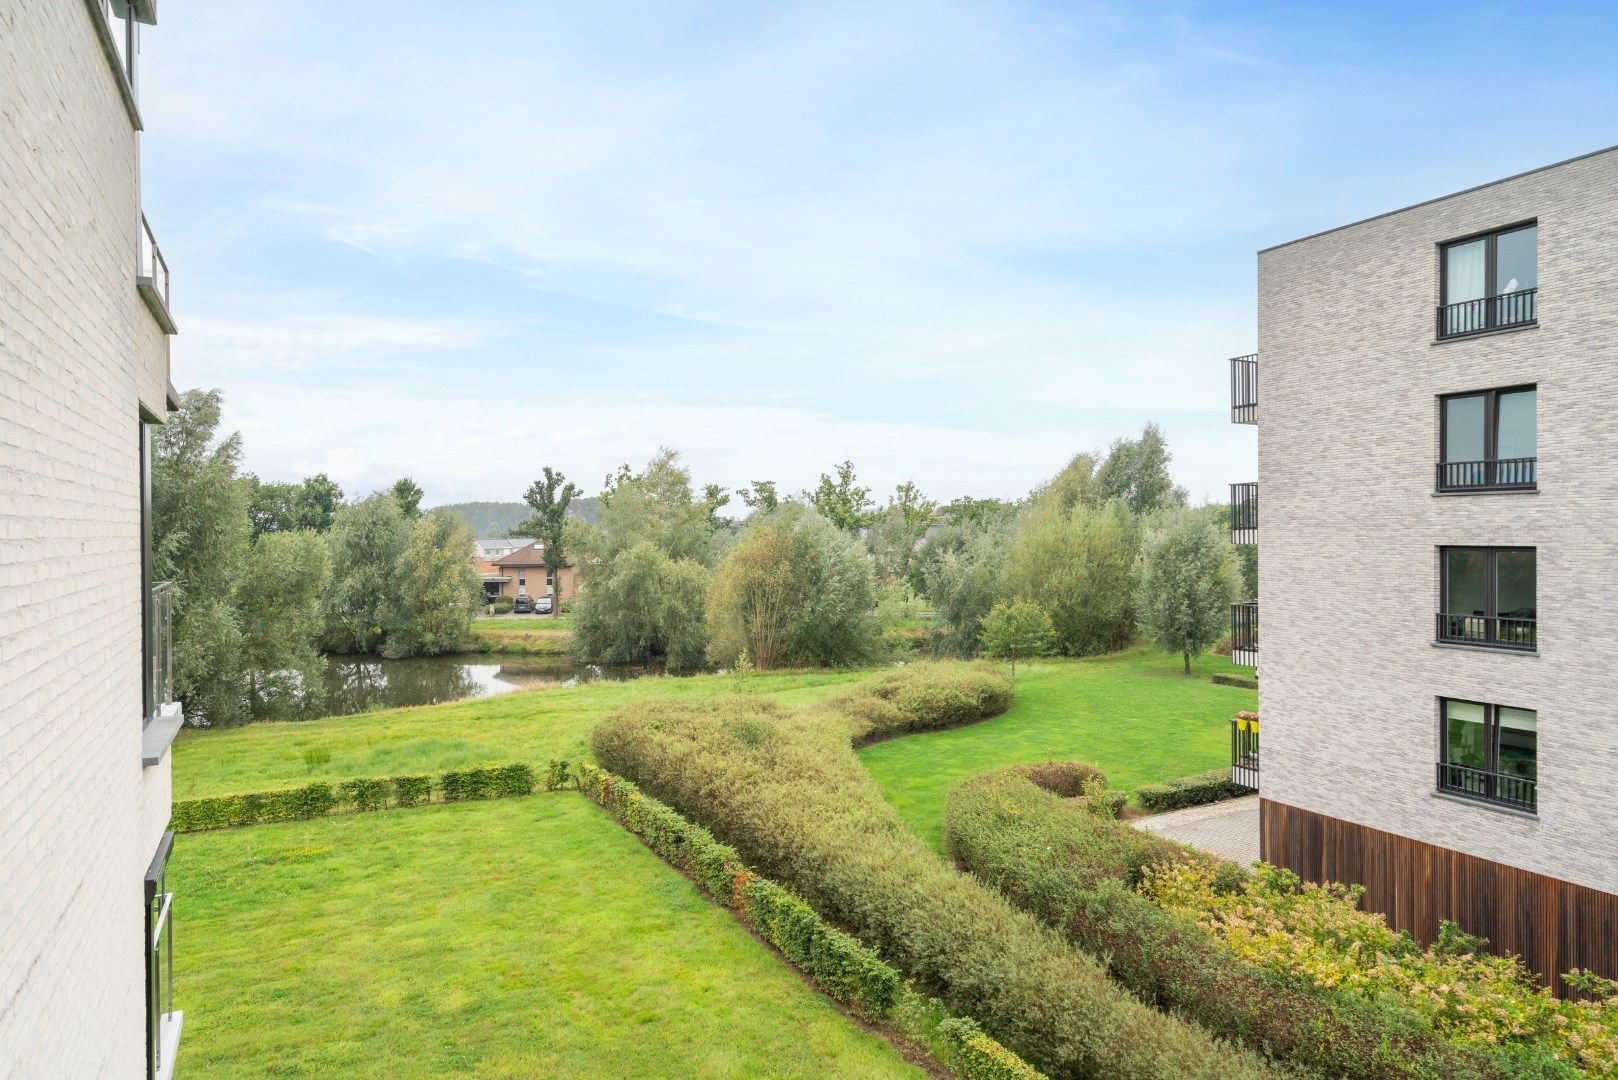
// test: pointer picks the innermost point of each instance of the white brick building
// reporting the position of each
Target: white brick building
(1437, 444)
(85, 719)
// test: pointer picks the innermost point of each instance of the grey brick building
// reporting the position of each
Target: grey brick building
(85, 710)
(1436, 443)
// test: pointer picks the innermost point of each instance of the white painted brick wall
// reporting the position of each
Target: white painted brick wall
(79, 353)
(1348, 569)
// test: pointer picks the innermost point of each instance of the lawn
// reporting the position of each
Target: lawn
(523, 938)
(1132, 713)
(531, 726)
(530, 635)
(525, 624)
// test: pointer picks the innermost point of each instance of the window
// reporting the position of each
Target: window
(1489, 440)
(1487, 597)
(522, 579)
(123, 23)
(550, 578)
(162, 1022)
(1489, 752)
(1490, 282)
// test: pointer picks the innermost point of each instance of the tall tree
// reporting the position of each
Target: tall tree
(316, 503)
(362, 602)
(897, 531)
(439, 591)
(644, 608)
(654, 504)
(409, 494)
(1187, 580)
(841, 500)
(1080, 566)
(549, 498)
(1137, 471)
(761, 495)
(270, 506)
(714, 499)
(279, 598)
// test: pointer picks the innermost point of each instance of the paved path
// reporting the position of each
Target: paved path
(1228, 828)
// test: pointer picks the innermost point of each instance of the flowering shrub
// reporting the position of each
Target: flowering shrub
(1277, 923)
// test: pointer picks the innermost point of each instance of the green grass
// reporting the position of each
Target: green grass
(531, 726)
(527, 635)
(1132, 713)
(522, 938)
(525, 624)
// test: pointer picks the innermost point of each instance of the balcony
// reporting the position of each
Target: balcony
(1502, 789)
(1244, 513)
(152, 278)
(1489, 313)
(1489, 631)
(1244, 389)
(1244, 633)
(1244, 750)
(1505, 474)
(160, 649)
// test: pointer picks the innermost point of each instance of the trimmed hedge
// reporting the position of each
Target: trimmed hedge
(782, 785)
(1209, 787)
(1077, 872)
(975, 1056)
(377, 793)
(1246, 682)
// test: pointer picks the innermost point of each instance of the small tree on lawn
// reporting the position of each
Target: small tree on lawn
(1016, 631)
(1186, 582)
(549, 498)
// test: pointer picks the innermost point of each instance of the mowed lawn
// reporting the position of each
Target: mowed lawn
(531, 726)
(524, 938)
(532, 635)
(1133, 713)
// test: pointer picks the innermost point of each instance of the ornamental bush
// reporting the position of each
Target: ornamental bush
(1208, 787)
(784, 789)
(975, 1056)
(1077, 872)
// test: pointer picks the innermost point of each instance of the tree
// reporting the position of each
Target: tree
(715, 499)
(762, 495)
(279, 599)
(654, 505)
(842, 501)
(316, 503)
(1016, 631)
(439, 590)
(201, 532)
(271, 507)
(962, 578)
(644, 607)
(1187, 581)
(794, 590)
(549, 498)
(1073, 487)
(409, 494)
(362, 602)
(1137, 471)
(1080, 566)
(898, 530)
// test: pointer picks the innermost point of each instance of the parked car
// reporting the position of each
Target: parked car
(523, 606)
(542, 605)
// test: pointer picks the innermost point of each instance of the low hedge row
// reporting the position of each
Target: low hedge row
(1077, 871)
(1209, 787)
(976, 1056)
(372, 793)
(1246, 682)
(783, 787)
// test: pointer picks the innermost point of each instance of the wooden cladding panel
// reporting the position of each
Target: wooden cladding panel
(1554, 925)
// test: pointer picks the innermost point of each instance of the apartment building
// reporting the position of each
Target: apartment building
(1436, 448)
(522, 572)
(86, 716)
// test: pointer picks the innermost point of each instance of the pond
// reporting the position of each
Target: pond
(356, 684)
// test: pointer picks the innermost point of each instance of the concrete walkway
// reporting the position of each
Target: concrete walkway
(1228, 828)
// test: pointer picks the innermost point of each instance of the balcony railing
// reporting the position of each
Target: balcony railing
(160, 648)
(1494, 631)
(152, 277)
(1244, 513)
(1244, 389)
(1504, 474)
(1244, 633)
(1517, 792)
(1244, 750)
(1488, 313)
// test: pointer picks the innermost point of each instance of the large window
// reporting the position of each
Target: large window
(1490, 752)
(1488, 597)
(123, 23)
(162, 1021)
(1489, 440)
(1490, 282)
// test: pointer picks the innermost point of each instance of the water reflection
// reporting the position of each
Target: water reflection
(355, 684)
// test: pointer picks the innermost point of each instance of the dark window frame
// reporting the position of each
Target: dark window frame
(1491, 439)
(1493, 638)
(159, 951)
(148, 695)
(1491, 734)
(1490, 298)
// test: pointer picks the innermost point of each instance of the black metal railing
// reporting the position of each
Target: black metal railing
(1244, 633)
(1496, 631)
(1244, 513)
(1502, 474)
(1487, 313)
(1244, 389)
(1244, 752)
(160, 638)
(1517, 792)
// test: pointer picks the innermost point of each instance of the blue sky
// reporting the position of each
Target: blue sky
(955, 242)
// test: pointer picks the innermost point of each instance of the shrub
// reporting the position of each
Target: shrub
(503, 606)
(1246, 682)
(558, 774)
(1195, 790)
(411, 790)
(976, 1056)
(1077, 871)
(488, 782)
(783, 787)
(253, 808)
(365, 794)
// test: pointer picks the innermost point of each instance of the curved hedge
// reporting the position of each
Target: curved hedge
(1077, 871)
(783, 787)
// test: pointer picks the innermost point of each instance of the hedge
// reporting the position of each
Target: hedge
(783, 787)
(1209, 787)
(374, 793)
(1077, 872)
(1246, 682)
(975, 1056)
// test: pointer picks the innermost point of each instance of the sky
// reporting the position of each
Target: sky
(953, 242)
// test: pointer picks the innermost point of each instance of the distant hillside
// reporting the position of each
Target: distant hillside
(499, 518)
